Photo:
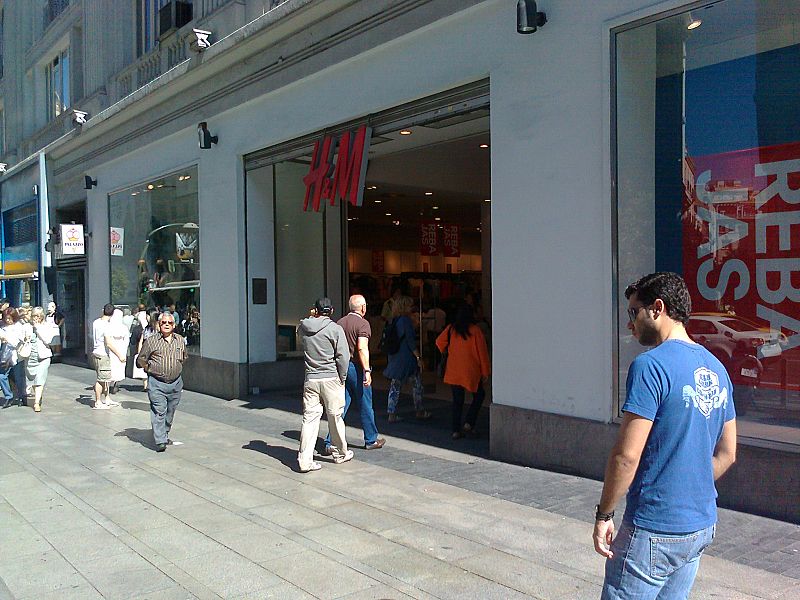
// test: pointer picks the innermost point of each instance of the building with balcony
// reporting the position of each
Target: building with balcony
(240, 158)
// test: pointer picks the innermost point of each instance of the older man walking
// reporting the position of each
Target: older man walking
(327, 358)
(358, 386)
(162, 357)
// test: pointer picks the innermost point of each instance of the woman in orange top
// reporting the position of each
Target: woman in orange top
(468, 366)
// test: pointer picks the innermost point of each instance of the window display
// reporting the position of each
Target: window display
(707, 123)
(154, 245)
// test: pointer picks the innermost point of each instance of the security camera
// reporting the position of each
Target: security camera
(204, 137)
(79, 117)
(528, 18)
(3, 167)
(88, 182)
(201, 41)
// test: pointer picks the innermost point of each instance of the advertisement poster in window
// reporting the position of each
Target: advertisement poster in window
(741, 229)
(117, 239)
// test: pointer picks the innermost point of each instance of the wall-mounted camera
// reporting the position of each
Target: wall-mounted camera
(204, 137)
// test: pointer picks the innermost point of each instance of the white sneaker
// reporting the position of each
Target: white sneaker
(314, 466)
(111, 403)
(101, 406)
(343, 459)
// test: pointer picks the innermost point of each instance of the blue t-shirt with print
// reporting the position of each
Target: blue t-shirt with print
(687, 394)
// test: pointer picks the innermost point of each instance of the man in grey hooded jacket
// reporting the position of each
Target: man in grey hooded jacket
(327, 359)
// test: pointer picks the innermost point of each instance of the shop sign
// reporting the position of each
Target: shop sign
(338, 168)
(741, 246)
(377, 261)
(117, 238)
(451, 240)
(72, 240)
(428, 238)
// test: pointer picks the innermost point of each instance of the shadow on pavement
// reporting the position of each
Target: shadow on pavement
(140, 436)
(134, 405)
(287, 456)
(85, 400)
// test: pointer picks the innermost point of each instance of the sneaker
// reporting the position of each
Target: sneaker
(343, 459)
(101, 406)
(161, 447)
(171, 442)
(37, 408)
(110, 402)
(326, 451)
(376, 445)
(314, 466)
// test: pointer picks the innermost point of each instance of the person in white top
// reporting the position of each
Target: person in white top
(117, 337)
(12, 335)
(100, 353)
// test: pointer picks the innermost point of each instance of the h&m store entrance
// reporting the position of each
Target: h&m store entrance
(413, 221)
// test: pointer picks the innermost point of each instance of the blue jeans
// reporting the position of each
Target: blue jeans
(5, 386)
(394, 392)
(164, 399)
(647, 565)
(354, 388)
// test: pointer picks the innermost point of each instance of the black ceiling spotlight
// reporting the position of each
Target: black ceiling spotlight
(88, 182)
(528, 18)
(79, 116)
(204, 136)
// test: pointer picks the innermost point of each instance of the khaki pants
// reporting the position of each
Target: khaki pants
(316, 394)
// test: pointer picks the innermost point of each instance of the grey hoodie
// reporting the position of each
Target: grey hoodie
(325, 348)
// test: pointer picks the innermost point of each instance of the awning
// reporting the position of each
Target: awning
(31, 275)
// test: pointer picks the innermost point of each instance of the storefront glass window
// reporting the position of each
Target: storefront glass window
(300, 253)
(155, 249)
(707, 127)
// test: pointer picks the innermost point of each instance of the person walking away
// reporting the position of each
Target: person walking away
(23, 353)
(162, 357)
(38, 364)
(468, 366)
(102, 362)
(118, 337)
(678, 435)
(12, 336)
(358, 385)
(404, 362)
(326, 361)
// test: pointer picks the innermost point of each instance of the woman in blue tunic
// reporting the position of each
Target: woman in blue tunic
(405, 363)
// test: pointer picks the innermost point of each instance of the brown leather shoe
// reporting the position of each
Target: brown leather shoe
(379, 443)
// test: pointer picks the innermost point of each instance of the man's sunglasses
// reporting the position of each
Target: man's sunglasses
(166, 322)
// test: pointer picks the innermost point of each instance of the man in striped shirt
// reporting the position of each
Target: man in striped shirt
(162, 357)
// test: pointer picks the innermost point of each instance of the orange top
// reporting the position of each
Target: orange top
(467, 359)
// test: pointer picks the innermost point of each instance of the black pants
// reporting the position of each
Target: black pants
(458, 405)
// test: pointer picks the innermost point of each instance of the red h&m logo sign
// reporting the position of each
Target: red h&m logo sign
(342, 178)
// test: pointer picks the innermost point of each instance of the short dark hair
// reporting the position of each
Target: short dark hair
(324, 306)
(670, 287)
(108, 310)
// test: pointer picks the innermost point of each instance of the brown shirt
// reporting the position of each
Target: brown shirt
(355, 326)
(162, 358)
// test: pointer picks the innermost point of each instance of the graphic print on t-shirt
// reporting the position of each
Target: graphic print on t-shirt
(706, 395)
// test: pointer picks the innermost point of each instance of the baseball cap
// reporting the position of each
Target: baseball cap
(323, 305)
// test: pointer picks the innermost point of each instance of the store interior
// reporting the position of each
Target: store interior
(424, 227)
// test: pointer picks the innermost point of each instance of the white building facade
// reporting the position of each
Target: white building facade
(610, 156)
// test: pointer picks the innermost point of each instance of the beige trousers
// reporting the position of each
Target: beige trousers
(316, 394)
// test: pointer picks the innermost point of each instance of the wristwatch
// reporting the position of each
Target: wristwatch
(601, 516)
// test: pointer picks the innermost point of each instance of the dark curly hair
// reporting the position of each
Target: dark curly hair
(670, 287)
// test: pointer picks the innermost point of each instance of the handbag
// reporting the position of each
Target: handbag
(24, 349)
(6, 355)
(441, 369)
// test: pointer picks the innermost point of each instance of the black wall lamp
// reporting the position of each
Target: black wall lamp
(528, 18)
(204, 137)
(88, 182)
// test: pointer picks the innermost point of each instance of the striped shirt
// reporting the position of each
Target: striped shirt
(163, 358)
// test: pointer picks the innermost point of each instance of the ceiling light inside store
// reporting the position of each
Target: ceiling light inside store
(378, 201)
(484, 146)
(396, 222)
(372, 187)
(150, 186)
(435, 207)
(160, 185)
(692, 22)
(437, 218)
(388, 214)
(405, 132)
(134, 193)
(429, 193)
(488, 200)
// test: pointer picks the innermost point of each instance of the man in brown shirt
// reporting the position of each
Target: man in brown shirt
(162, 357)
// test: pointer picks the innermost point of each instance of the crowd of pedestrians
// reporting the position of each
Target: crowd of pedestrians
(27, 338)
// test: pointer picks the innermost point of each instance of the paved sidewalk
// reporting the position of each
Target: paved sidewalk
(89, 510)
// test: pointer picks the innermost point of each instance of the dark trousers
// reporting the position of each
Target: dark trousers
(164, 399)
(458, 405)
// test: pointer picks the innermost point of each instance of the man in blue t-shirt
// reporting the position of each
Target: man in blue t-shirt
(678, 436)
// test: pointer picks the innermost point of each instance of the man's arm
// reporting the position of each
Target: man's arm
(620, 470)
(363, 354)
(725, 452)
(144, 355)
(342, 354)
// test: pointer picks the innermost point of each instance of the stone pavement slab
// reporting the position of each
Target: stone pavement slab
(89, 510)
